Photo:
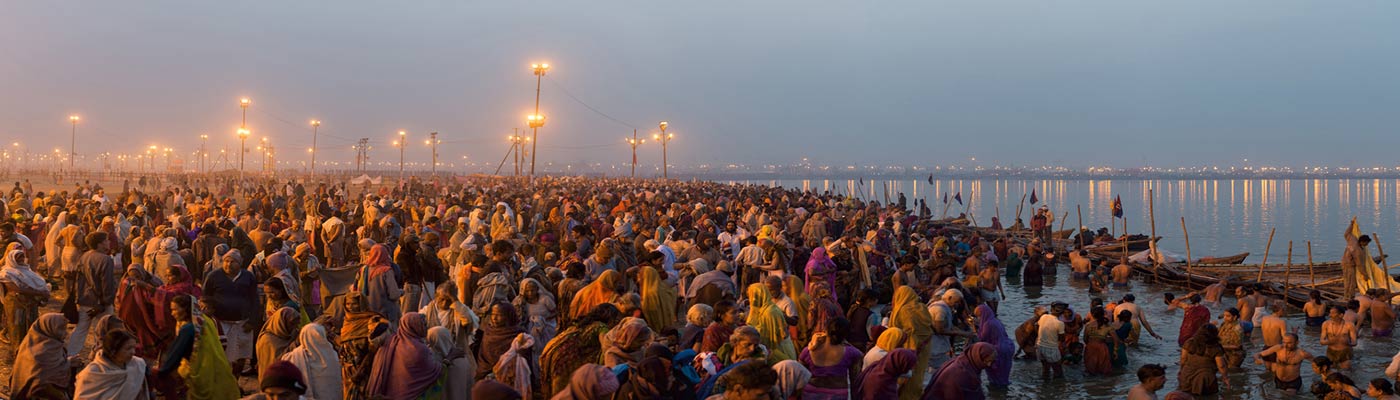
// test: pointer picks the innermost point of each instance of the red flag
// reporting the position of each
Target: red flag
(1117, 207)
(1033, 198)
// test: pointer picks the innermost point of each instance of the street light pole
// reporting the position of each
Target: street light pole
(402, 137)
(242, 148)
(315, 130)
(634, 142)
(433, 141)
(540, 69)
(664, 138)
(203, 155)
(73, 141)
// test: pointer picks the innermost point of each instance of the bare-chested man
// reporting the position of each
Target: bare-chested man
(1285, 361)
(1245, 304)
(1080, 264)
(1120, 273)
(1382, 314)
(1272, 326)
(1339, 337)
(1214, 292)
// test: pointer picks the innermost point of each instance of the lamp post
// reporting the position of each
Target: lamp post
(151, 157)
(167, 159)
(634, 142)
(539, 69)
(262, 148)
(433, 141)
(242, 148)
(243, 103)
(664, 138)
(315, 130)
(203, 155)
(403, 136)
(73, 141)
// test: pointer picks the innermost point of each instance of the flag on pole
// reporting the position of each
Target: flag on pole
(1033, 198)
(945, 197)
(1117, 207)
(930, 179)
(958, 197)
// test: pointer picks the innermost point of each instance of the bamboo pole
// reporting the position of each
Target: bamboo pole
(1125, 241)
(1311, 275)
(1287, 275)
(1385, 266)
(1187, 236)
(1152, 219)
(1267, 245)
(998, 213)
(1019, 206)
(1079, 230)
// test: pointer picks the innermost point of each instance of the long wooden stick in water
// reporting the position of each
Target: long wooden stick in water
(1379, 249)
(1266, 256)
(1287, 275)
(1079, 230)
(1019, 206)
(1186, 235)
(1152, 219)
(1311, 275)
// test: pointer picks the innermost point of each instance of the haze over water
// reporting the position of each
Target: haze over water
(1223, 217)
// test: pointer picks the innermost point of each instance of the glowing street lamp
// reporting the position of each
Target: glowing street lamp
(73, 141)
(539, 70)
(242, 149)
(403, 138)
(664, 138)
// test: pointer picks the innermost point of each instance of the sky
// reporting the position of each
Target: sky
(1072, 83)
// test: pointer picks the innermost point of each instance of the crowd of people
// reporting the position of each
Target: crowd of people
(575, 288)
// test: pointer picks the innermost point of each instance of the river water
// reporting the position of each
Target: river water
(1224, 217)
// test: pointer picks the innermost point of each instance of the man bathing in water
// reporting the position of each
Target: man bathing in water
(1285, 361)
(1273, 326)
(1080, 264)
(1382, 314)
(1339, 337)
(1214, 292)
(1121, 272)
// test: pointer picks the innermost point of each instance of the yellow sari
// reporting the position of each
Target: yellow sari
(658, 300)
(603, 290)
(207, 372)
(796, 290)
(912, 318)
(771, 324)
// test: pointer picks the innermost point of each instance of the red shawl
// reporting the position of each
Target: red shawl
(1195, 317)
(135, 307)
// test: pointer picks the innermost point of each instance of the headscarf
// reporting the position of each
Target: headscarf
(820, 265)
(404, 367)
(51, 241)
(276, 337)
(626, 340)
(881, 379)
(20, 274)
(590, 382)
(716, 277)
(360, 324)
(41, 358)
(797, 291)
(792, 376)
(658, 300)
(911, 317)
(441, 342)
(514, 367)
(770, 322)
(962, 377)
(318, 362)
(892, 339)
(989, 328)
(104, 379)
(600, 291)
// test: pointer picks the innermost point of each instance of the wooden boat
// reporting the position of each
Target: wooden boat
(1228, 260)
(1061, 234)
(1116, 246)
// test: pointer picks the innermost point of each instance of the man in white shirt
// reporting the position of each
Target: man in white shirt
(780, 299)
(944, 329)
(749, 258)
(731, 240)
(1048, 345)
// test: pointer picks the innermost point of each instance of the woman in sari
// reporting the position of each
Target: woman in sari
(41, 367)
(961, 378)
(820, 268)
(577, 345)
(318, 362)
(890, 340)
(991, 331)
(459, 370)
(604, 290)
(625, 343)
(824, 309)
(404, 368)
(1193, 319)
(880, 381)
(537, 304)
(276, 337)
(658, 300)
(589, 382)
(196, 357)
(459, 320)
(502, 326)
(797, 292)
(377, 283)
(143, 315)
(1201, 357)
(771, 324)
(1122, 330)
(1097, 358)
(115, 372)
(23, 290)
(913, 318)
(361, 335)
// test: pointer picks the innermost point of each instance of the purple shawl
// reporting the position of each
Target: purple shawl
(820, 265)
(989, 328)
(404, 367)
(960, 378)
(881, 379)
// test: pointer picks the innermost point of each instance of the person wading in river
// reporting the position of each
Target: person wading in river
(1339, 337)
(1285, 361)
